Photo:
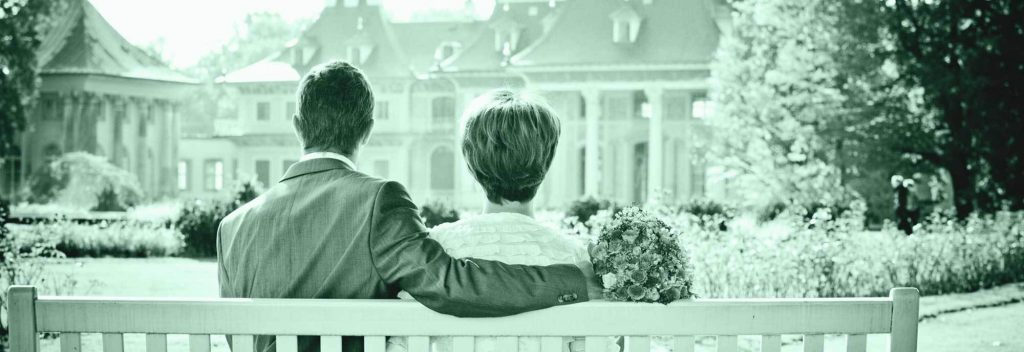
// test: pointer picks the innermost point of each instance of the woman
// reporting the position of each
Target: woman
(508, 140)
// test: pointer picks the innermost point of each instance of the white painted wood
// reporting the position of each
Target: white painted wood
(771, 343)
(72, 342)
(551, 344)
(242, 343)
(419, 344)
(814, 343)
(375, 343)
(199, 343)
(22, 315)
(597, 344)
(329, 344)
(385, 317)
(156, 342)
(113, 342)
(638, 344)
(463, 343)
(506, 343)
(856, 343)
(727, 343)
(904, 319)
(683, 344)
(287, 343)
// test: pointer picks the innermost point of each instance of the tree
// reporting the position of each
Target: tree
(968, 58)
(21, 26)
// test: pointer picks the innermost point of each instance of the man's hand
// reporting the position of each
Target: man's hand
(595, 290)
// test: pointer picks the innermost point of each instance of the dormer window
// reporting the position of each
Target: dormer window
(301, 54)
(625, 25)
(358, 54)
(446, 51)
(506, 35)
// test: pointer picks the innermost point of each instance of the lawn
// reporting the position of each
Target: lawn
(992, 329)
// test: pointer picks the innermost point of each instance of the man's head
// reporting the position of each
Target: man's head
(509, 140)
(335, 108)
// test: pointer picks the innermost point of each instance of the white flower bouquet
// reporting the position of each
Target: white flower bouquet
(638, 258)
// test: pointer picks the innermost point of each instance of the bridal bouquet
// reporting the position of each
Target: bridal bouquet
(638, 258)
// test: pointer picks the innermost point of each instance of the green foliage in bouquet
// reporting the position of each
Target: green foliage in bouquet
(437, 213)
(638, 259)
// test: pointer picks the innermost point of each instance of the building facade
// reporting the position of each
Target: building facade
(101, 95)
(629, 80)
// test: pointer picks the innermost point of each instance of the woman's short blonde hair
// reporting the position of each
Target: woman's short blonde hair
(508, 140)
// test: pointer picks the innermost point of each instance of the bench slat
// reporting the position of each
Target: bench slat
(771, 343)
(70, 342)
(242, 343)
(507, 343)
(385, 317)
(287, 343)
(463, 344)
(330, 343)
(551, 344)
(638, 344)
(419, 344)
(199, 343)
(683, 344)
(856, 343)
(113, 342)
(814, 343)
(727, 343)
(156, 342)
(597, 343)
(374, 343)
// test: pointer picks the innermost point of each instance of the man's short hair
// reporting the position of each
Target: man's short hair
(509, 141)
(335, 107)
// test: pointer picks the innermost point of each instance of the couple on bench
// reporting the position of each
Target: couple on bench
(327, 230)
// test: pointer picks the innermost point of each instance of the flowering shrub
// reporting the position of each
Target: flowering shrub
(199, 220)
(114, 239)
(639, 259)
(437, 213)
(77, 179)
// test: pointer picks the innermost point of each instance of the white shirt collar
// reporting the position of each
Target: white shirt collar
(329, 155)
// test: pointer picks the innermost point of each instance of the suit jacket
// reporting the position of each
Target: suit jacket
(327, 231)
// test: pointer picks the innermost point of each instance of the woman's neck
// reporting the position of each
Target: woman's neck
(525, 208)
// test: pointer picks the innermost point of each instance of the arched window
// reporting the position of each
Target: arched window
(442, 169)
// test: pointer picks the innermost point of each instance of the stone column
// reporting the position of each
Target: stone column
(656, 143)
(592, 146)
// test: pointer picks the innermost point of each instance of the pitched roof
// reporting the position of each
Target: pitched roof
(83, 42)
(530, 19)
(671, 32)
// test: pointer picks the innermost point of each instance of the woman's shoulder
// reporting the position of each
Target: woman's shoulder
(510, 238)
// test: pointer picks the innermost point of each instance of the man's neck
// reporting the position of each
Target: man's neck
(310, 150)
(524, 208)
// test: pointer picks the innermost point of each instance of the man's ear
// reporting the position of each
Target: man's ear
(295, 127)
(366, 136)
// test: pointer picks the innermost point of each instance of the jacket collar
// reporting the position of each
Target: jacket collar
(314, 166)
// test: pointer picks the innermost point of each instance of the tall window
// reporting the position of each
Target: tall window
(183, 175)
(701, 108)
(263, 172)
(380, 111)
(213, 175)
(289, 110)
(381, 168)
(443, 109)
(263, 111)
(442, 169)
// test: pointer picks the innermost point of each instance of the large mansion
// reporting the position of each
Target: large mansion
(629, 79)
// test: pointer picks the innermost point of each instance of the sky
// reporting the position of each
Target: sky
(188, 29)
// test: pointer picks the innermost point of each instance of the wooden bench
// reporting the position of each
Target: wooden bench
(286, 318)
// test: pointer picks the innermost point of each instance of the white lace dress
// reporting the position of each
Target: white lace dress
(506, 237)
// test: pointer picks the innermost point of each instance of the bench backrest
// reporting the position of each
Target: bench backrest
(29, 315)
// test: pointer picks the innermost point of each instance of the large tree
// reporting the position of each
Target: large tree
(967, 56)
(22, 23)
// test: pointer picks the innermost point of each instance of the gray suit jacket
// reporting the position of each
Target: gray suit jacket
(326, 231)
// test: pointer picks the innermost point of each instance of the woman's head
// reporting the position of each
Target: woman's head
(508, 140)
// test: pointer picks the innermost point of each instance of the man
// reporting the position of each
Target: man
(328, 231)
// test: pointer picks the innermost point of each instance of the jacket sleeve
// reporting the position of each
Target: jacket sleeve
(405, 257)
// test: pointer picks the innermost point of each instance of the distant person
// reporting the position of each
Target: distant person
(905, 200)
(508, 140)
(327, 230)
